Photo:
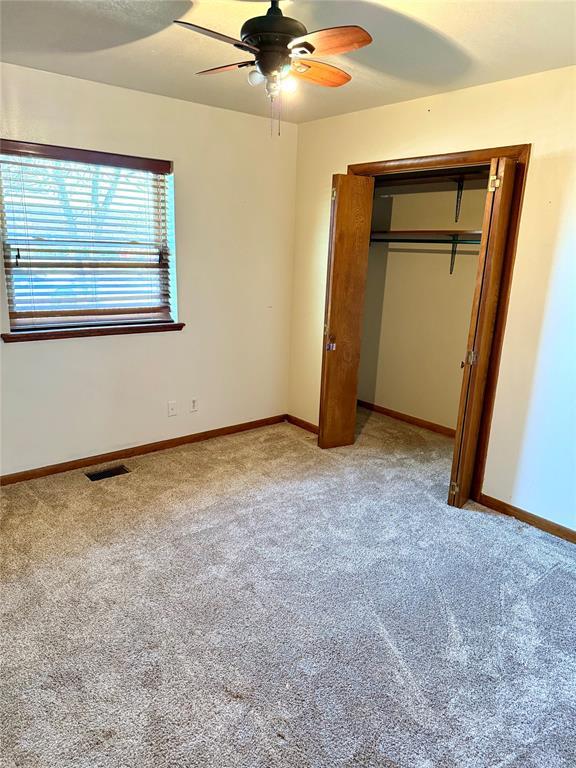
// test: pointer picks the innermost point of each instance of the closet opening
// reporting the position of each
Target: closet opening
(420, 265)
(424, 244)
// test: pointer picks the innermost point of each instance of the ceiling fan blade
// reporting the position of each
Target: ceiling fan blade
(217, 36)
(329, 42)
(319, 73)
(226, 68)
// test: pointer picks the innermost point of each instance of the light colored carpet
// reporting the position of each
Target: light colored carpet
(253, 602)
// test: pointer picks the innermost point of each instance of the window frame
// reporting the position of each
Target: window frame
(54, 152)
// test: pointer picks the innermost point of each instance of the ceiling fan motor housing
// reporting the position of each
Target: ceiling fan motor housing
(271, 34)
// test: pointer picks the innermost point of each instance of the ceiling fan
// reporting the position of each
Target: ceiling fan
(281, 47)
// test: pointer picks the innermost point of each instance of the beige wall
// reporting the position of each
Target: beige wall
(234, 206)
(238, 274)
(531, 461)
(417, 314)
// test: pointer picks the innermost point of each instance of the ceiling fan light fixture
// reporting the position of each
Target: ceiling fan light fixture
(255, 77)
(289, 84)
(273, 86)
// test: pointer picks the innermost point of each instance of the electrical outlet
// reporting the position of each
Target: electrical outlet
(193, 405)
(172, 411)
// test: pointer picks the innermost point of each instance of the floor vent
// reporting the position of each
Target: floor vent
(102, 474)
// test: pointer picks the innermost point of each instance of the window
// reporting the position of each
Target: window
(87, 242)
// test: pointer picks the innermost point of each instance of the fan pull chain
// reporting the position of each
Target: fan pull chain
(279, 112)
(275, 113)
(271, 117)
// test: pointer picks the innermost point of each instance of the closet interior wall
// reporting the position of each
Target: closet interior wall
(417, 314)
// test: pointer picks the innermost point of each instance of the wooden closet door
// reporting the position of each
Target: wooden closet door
(485, 302)
(350, 223)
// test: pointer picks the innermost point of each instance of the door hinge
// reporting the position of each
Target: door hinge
(493, 183)
(471, 357)
(334, 193)
(454, 487)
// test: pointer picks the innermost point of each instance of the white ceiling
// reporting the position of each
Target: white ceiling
(419, 48)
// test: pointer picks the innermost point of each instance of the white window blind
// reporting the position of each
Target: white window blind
(84, 244)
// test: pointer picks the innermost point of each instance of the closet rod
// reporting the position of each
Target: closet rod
(445, 241)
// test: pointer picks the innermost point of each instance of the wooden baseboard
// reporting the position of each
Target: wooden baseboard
(488, 501)
(447, 431)
(161, 445)
(301, 423)
(527, 517)
(138, 450)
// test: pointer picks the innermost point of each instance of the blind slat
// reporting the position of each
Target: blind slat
(82, 266)
(81, 321)
(108, 311)
(84, 243)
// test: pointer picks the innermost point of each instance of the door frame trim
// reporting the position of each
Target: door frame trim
(521, 154)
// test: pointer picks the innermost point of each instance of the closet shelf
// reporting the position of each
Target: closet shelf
(429, 235)
(452, 237)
